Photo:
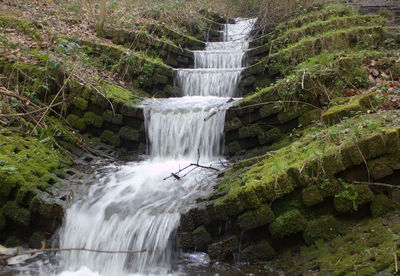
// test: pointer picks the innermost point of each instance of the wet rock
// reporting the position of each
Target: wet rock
(36, 240)
(258, 252)
(201, 238)
(185, 240)
(223, 250)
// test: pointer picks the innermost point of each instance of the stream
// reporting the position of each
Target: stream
(134, 208)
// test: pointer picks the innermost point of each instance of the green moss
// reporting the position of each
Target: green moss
(311, 196)
(309, 117)
(109, 137)
(80, 103)
(356, 105)
(26, 163)
(256, 218)
(21, 25)
(367, 248)
(201, 237)
(283, 62)
(287, 224)
(76, 122)
(315, 28)
(108, 116)
(381, 205)
(312, 159)
(129, 134)
(325, 227)
(259, 252)
(250, 131)
(352, 197)
(16, 214)
(269, 136)
(91, 119)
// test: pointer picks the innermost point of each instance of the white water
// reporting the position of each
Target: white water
(217, 70)
(134, 208)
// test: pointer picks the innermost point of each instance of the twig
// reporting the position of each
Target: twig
(44, 250)
(30, 112)
(376, 184)
(365, 160)
(272, 102)
(55, 97)
(176, 174)
(395, 261)
(302, 80)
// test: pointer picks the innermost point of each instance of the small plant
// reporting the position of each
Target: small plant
(349, 193)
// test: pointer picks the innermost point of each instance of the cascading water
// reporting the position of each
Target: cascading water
(134, 208)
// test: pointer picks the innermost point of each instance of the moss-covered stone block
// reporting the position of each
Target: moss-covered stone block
(357, 104)
(91, 119)
(129, 134)
(233, 124)
(233, 148)
(116, 119)
(309, 117)
(392, 140)
(292, 114)
(76, 122)
(223, 250)
(46, 208)
(372, 146)
(289, 223)
(259, 252)
(16, 214)
(329, 187)
(80, 103)
(311, 196)
(201, 238)
(268, 110)
(381, 205)
(110, 138)
(25, 196)
(250, 131)
(36, 240)
(3, 222)
(256, 218)
(351, 199)
(325, 227)
(269, 136)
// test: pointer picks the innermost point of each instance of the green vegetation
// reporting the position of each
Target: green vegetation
(368, 247)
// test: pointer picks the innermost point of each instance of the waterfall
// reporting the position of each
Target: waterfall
(134, 208)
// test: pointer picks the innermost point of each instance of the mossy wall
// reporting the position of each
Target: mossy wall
(28, 166)
(303, 192)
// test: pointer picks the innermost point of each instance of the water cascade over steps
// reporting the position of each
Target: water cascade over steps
(134, 208)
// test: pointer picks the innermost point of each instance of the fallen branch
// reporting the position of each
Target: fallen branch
(376, 184)
(193, 166)
(44, 250)
(272, 102)
(218, 110)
